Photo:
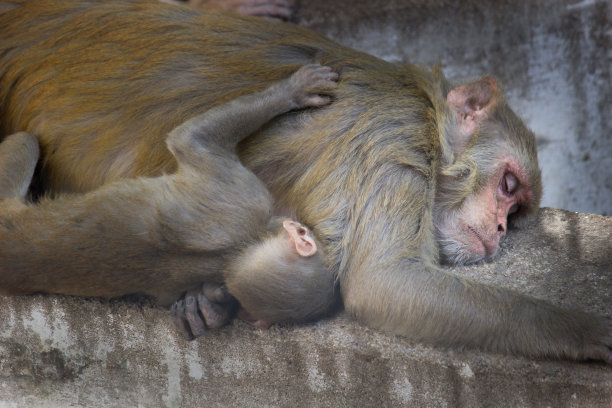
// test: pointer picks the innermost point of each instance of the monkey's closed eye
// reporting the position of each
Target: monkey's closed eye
(509, 183)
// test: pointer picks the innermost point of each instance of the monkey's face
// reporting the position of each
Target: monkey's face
(492, 173)
(473, 230)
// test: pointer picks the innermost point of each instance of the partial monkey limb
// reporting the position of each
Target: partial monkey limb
(209, 307)
(18, 157)
(272, 9)
(216, 128)
(446, 310)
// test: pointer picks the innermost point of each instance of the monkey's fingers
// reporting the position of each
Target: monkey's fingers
(314, 77)
(215, 315)
(312, 85)
(196, 313)
(178, 318)
(321, 78)
(325, 79)
(196, 324)
(317, 100)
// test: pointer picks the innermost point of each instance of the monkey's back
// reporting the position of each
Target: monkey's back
(67, 80)
(102, 85)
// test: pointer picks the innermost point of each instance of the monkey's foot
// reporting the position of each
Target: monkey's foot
(252, 320)
(198, 311)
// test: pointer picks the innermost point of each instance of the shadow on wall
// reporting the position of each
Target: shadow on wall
(553, 58)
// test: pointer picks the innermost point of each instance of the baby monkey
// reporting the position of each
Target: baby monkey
(210, 222)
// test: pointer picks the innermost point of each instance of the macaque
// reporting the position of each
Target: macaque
(271, 9)
(402, 171)
(207, 222)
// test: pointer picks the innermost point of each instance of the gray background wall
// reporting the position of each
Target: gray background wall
(553, 58)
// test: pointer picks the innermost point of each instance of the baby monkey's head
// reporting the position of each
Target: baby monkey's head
(283, 277)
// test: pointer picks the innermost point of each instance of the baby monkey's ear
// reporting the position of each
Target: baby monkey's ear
(300, 237)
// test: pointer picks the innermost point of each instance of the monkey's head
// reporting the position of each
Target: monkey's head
(489, 174)
(289, 268)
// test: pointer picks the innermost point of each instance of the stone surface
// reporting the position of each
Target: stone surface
(59, 351)
(553, 57)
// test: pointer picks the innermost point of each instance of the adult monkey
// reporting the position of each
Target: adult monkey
(399, 160)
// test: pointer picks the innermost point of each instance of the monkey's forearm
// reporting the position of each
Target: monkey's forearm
(432, 306)
(226, 125)
(221, 128)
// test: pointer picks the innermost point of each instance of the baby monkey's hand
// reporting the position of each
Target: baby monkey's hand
(309, 83)
(209, 307)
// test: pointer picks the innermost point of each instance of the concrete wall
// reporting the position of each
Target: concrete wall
(61, 352)
(554, 58)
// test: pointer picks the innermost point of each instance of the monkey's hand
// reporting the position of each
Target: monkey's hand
(308, 83)
(208, 308)
(602, 350)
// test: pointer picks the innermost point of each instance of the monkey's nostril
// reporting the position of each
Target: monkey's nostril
(500, 228)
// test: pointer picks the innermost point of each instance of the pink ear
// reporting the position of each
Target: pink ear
(304, 244)
(471, 103)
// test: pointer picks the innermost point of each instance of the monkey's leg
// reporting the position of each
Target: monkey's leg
(226, 125)
(18, 157)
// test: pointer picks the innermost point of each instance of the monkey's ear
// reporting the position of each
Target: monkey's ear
(471, 103)
(304, 244)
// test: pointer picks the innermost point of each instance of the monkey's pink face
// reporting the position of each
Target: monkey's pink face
(474, 231)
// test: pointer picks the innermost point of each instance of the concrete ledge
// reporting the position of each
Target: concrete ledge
(59, 351)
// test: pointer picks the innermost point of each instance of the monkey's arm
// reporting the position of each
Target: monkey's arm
(424, 303)
(430, 305)
(224, 126)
